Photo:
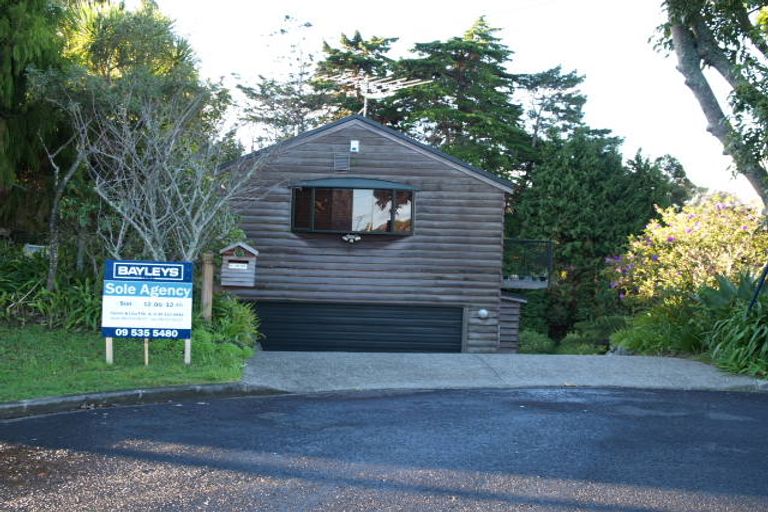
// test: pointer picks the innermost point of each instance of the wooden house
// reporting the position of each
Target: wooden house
(371, 241)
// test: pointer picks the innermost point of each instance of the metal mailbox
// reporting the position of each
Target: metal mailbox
(238, 265)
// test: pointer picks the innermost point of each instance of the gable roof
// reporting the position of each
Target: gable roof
(483, 175)
(241, 245)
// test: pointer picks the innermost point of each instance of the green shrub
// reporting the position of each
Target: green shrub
(17, 271)
(598, 330)
(720, 299)
(667, 328)
(738, 342)
(233, 321)
(591, 336)
(73, 306)
(534, 313)
(206, 351)
(686, 326)
(75, 303)
(532, 342)
(575, 347)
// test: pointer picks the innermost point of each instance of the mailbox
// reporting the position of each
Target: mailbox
(238, 265)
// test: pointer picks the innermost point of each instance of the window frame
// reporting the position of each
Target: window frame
(392, 218)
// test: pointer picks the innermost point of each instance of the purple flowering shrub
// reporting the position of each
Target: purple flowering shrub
(687, 247)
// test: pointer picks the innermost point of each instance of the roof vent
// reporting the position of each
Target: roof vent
(341, 161)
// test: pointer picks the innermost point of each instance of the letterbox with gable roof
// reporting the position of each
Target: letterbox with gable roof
(238, 265)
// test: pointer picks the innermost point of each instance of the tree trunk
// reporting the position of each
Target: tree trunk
(53, 248)
(689, 64)
(54, 228)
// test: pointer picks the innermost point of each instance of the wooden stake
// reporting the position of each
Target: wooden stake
(146, 351)
(188, 351)
(206, 293)
(110, 358)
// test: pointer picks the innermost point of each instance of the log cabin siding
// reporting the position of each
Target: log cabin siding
(453, 256)
(509, 324)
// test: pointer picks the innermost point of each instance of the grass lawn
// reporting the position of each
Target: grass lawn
(36, 362)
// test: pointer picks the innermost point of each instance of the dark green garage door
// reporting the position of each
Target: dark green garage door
(359, 327)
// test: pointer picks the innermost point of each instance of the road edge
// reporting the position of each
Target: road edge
(49, 405)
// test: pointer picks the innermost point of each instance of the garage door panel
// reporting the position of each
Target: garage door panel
(359, 327)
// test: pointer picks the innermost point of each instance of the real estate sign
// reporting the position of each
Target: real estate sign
(147, 299)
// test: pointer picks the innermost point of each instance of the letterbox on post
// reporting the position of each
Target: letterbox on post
(238, 265)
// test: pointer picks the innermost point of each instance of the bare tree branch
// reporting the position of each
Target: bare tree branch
(60, 184)
(158, 167)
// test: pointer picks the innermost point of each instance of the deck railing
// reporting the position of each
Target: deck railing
(527, 263)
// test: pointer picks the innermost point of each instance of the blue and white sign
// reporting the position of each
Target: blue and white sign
(147, 299)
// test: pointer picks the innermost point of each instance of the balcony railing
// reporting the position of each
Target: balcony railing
(527, 263)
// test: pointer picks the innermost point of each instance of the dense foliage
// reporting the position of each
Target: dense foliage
(738, 341)
(720, 321)
(469, 109)
(125, 110)
(688, 246)
(340, 73)
(533, 342)
(584, 198)
(690, 277)
(27, 38)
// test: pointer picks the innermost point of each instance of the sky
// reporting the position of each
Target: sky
(631, 89)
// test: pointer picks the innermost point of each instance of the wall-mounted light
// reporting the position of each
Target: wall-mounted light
(351, 238)
(483, 314)
(354, 146)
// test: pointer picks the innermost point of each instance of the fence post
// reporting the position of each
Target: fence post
(206, 294)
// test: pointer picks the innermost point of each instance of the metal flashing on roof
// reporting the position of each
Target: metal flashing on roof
(350, 182)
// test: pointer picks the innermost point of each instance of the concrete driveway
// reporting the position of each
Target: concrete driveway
(343, 371)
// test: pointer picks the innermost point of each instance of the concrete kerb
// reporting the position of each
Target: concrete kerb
(49, 405)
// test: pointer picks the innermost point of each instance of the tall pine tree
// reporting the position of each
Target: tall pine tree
(356, 57)
(467, 110)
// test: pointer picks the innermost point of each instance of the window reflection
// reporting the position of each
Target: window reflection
(403, 211)
(352, 210)
(371, 210)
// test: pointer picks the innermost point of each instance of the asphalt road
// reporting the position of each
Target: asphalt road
(546, 449)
